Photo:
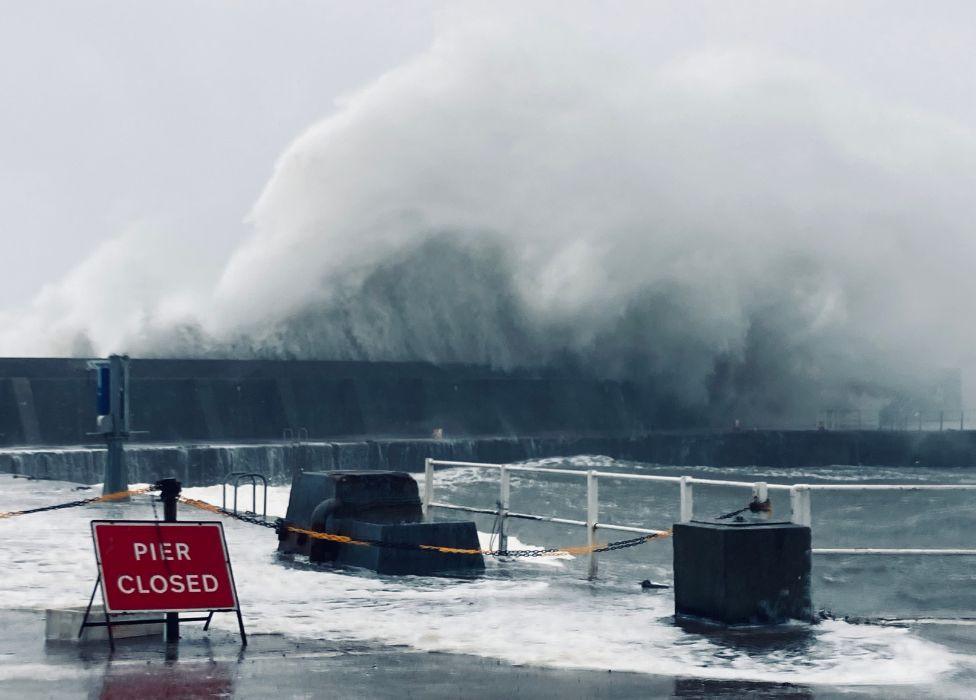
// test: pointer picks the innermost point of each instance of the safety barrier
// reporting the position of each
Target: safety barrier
(234, 479)
(800, 509)
(280, 526)
(800, 502)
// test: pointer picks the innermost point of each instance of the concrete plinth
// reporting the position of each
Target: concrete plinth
(742, 573)
(62, 625)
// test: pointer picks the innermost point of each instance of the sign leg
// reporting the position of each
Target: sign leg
(108, 619)
(108, 626)
(172, 628)
(84, 620)
(240, 623)
(206, 625)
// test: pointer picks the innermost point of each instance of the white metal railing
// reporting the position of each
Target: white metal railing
(800, 509)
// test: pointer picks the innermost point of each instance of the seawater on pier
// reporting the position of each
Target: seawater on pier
(544, 612)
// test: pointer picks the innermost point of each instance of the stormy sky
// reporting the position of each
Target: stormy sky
(115, 114)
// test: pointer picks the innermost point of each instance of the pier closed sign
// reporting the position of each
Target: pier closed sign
(151, 566)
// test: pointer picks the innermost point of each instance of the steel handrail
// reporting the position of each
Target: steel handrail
(546, 518)
(602, 474)
(713, 482)
(799, 502)
(237, 477)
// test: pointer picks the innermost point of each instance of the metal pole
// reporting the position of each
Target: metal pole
(760, 492)
(169, 493)
(941, 419)
(116, 477)
(592, 512)
(687, 500)
(504, 490)
(428, 487)
(800, 505)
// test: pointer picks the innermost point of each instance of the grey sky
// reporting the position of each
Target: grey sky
(169, 113)
(172, 114)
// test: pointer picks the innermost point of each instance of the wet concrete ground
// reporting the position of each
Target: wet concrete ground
(214, 665)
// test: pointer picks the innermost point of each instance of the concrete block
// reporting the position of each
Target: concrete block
(379, 506)
(742, 573)
(62, 625)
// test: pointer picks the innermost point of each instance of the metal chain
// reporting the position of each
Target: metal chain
(283, 527)
(203, 505)
(755, 506)
(118, 495)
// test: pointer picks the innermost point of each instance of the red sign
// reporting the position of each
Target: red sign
(150, 566)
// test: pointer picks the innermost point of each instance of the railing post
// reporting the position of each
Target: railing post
(800, 505)
(687, 500)
(760, 493)
(428, 488)
(503, 494)
(592, 512)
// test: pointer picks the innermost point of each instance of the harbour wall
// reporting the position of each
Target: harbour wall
(205, 418)
(51, 401)
(203, 464)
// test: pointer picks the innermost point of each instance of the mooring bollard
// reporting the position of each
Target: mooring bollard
(169, 494)
(743, 572)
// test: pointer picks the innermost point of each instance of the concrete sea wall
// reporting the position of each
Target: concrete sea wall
(205, 418)
(52, 401)
(203, 464)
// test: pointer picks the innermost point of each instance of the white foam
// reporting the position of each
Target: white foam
(521, 615)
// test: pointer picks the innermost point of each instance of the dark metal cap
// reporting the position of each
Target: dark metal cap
(169, 489)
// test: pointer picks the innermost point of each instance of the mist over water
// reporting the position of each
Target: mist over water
(743, 234)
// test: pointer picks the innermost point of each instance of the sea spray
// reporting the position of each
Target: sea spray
(742, 235)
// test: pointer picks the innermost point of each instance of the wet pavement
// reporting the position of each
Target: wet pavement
(214, 665)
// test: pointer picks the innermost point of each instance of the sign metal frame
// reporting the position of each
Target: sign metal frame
(100, 584)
